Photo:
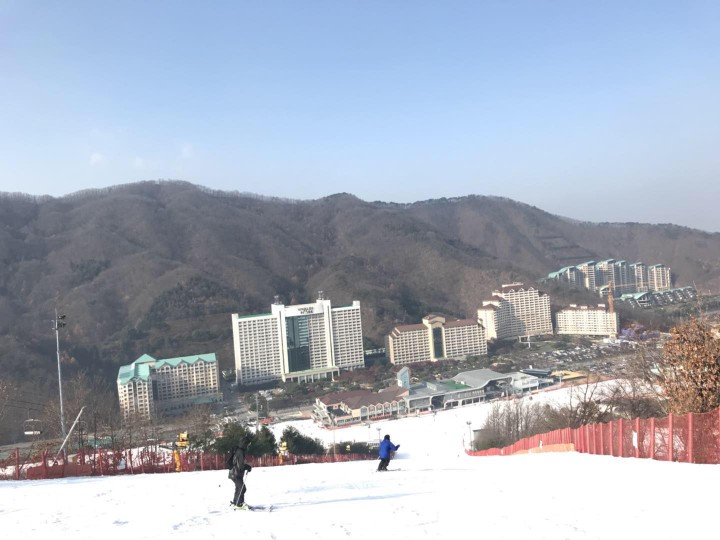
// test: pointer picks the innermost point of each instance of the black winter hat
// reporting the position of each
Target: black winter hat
(387, 437)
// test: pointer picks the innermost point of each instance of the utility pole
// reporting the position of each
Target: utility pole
(257, 412)
(59, 323)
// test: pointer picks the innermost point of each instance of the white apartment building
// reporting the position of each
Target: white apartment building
(586, 321)
(434, 339)
(621, 277)
(639, 274)
(624, 278)
(516, 310)
(149, 387)
(570, 275)
(408, 344)
(659, 278)
(488, 318)
(604, 273)
(301, 342)
(587, 270)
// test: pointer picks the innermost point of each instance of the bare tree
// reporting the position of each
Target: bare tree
(99, 416)
(688, 371)
(7, 392)
(587, 404)
(509, 421)
(199, 421)
(637, 395)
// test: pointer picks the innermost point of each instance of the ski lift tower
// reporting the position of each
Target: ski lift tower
(59, 323)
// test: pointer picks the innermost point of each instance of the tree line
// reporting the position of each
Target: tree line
(682, 377)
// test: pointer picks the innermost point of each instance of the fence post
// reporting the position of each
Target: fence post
(595, 437)
(691, 437)
(588, 436)
(17, 464)
(637, 437)
(671, 437)
(590, 448)
(621, 437)
(652, 438)
(580, 436)
(602, 439)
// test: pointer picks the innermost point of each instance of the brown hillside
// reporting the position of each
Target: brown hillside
(158, 267)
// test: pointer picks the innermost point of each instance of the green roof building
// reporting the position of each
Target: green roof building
(150, 387)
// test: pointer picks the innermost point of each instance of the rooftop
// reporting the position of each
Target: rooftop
(141, 368)
(479, 377)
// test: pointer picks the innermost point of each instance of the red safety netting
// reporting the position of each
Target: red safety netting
(690, 438)
(144, 461)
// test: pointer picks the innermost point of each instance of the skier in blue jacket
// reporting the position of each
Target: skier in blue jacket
(386, 450)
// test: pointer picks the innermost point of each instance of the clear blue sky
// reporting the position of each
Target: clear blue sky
(605, 111)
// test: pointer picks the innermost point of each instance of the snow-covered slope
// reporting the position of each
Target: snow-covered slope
(438, 492)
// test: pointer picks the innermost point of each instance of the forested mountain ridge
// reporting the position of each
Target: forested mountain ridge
(158, 267)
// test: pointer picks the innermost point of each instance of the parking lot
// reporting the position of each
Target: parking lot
(604, 359)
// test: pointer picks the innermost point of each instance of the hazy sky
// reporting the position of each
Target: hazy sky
(606, 111)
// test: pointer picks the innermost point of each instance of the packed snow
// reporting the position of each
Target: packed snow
(434, 490)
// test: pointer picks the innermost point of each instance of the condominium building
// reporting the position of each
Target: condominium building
(639, 273)
(604, 273)
(621, 278)
(570, 275)
(487, 316)
(434, 339)
(587, 271)
(659, 278)
(586, 321)
(149, 387)
(616, 276)
(409, 343)
(301, 342)
(516, 310)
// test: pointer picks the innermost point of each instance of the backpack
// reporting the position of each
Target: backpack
(229, 459)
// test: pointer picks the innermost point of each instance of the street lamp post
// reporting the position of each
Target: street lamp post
(378, 430)
(59, 323)
(470, 440)
(257, 413)
(334, 446)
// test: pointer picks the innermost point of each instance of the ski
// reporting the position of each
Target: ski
(256, 508)
(261, 508)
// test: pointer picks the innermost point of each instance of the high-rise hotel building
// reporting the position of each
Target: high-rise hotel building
(434, 339)
(516, 310)
(149, 387)
(300, 343)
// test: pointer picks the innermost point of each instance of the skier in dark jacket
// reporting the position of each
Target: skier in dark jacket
(385, 454)
(238, 470)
